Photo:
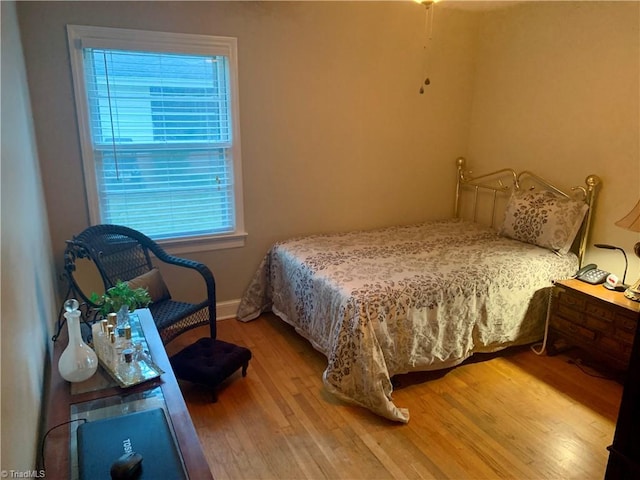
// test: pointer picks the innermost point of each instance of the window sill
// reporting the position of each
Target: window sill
(203, 244)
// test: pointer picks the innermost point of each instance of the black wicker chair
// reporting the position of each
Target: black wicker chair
(123, 254)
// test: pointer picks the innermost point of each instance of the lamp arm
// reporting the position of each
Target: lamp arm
(626, 260)
(626, 266)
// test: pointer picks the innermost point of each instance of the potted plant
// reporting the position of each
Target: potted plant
(119, 296)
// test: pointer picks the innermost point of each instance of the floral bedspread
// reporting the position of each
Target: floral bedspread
(408, 298)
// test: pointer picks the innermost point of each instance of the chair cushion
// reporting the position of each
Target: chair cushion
(209, 362)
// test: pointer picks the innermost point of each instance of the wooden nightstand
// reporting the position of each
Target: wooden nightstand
(600, 322)
(624, 456)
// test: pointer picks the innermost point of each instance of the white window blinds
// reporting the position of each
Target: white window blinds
(161, 139)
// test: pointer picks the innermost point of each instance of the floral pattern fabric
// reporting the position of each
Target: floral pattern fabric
(544, 219)
(408, 298)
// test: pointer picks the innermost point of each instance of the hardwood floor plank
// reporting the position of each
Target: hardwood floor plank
(508, 415)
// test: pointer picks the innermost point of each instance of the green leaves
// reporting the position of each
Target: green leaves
(119, 295)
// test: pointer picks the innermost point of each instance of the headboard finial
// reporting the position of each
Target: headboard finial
(593, 181)
(460, 161)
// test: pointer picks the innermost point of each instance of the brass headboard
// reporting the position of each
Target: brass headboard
(501, 183)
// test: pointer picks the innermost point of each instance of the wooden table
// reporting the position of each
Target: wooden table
(63, 396)
(601, 322)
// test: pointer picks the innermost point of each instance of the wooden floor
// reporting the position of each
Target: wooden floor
(515, 415)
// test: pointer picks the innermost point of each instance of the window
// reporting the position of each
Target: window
(158, 119)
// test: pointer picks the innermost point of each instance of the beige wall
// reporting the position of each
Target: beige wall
(28, 300)
(334, 133)
(557, 89)
(330, 113)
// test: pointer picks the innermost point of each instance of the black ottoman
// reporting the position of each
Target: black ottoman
(210, 362)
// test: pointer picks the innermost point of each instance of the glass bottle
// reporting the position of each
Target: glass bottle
(140, 355)
(112, 319)
(113, 351)
(123, 319)
(95, 334)
(78, 361)
(127, 343)
(104, 328)
(127, 369)
(99, 332)
(121, 343)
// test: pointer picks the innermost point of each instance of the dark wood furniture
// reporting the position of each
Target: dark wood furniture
(59, 448)
(601, 322)
(624, 456)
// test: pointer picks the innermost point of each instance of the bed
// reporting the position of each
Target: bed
(427, 296)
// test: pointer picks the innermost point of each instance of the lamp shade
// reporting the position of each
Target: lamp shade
(631, 221)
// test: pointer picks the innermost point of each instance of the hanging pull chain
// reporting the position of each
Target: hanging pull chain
(428, 35)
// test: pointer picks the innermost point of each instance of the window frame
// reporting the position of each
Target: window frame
(80, 37)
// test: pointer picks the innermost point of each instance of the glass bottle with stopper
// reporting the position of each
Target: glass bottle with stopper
(78, 361)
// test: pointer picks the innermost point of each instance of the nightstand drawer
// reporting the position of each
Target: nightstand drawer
(626, 323)
(600, 310)
(572, 301)
(569, 314)
(624, 337)
(599, 324)
(573, 329)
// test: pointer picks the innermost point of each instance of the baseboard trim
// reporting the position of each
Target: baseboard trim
(227, 309)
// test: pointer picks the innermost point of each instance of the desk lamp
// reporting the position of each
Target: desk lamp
(632, 222)
(620, 287)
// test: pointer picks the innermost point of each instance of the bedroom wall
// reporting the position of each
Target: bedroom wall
(28, 299)
(334, 133)
(557, 91)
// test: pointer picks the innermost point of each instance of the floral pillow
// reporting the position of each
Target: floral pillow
(543, 218)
